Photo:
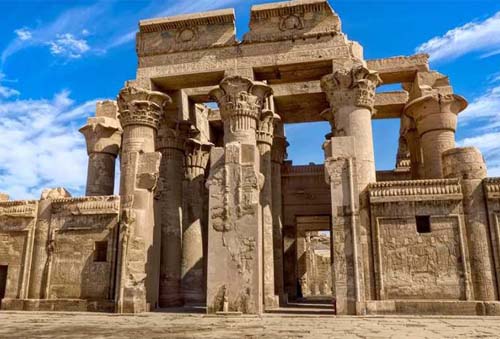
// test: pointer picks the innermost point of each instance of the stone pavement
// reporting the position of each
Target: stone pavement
(176, 325)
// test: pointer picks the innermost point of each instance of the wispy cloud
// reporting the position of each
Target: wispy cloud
(482, 118)
(63, 36)
(479, 36)
(41, 146)
(68, 46)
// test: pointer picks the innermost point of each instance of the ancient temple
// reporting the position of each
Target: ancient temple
(210, 212)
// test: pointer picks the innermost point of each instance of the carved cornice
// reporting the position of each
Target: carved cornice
(87, 205)
(354, 87)
(265, 129)
(197, 156)
(435, 111)
(492, 188)
(415, 190)
(241, 101)
(103, 135)
(18, 208)
(139, 106)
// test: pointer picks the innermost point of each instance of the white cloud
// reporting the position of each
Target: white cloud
(66, 45)
(481, 36)
(23, 34)
(482, 118)
(41, 146)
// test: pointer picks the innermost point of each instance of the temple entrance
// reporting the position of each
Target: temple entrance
(3, 282)
(314, 260)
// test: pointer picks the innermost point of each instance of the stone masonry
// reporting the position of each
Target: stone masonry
(210, 213)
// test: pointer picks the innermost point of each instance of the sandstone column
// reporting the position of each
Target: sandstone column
(351, 93)
(410, 134)
(140, 114)
(235, 273)
(103, 136)
(169, 201)
(265, 133)
(278, 155)
(468, 165)
(435, 116)
(194, 227)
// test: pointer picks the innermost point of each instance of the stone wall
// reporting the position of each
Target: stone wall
(77, 271)
(419, 244)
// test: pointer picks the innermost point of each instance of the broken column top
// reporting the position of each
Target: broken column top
(4, 197)
(106, 109)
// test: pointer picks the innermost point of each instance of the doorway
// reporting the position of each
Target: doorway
(3, 281)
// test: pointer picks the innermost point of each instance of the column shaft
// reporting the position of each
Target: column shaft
(101, 174)
(434, 144)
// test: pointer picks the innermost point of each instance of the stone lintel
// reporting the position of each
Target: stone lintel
(223, 16)
(303, 101)
(399, 69)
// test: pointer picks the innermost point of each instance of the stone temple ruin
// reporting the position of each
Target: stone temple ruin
(211, 213)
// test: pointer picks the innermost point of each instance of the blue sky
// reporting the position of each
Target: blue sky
(58, 57)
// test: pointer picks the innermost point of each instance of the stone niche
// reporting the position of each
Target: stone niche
(419, 243)
(186, 32)
(82, 247)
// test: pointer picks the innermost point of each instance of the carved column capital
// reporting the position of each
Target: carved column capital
(139, 106)
(351, 87)
(241, 101)
(173, 135)
(197, 156)
(103, 135)
(266, 125)
(435, 111)
(403, 159)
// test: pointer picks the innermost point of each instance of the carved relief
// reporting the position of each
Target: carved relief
(187, 34)
(354, 86)
(421, 266)
(139, 106)
(291, 22)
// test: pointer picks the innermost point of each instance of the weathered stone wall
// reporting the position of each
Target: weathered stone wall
(69, 271)
(17, 224)
(413, 262)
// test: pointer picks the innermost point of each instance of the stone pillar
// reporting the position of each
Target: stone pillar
(194, 228)
(265, 133)
(435, 116)
(278, 155)
(409, 133)
(468, 165)
(235, 273)
(103, 137)
(139, 258)
(351, 93)
(168, 209)
(4, 197)
(38, 275)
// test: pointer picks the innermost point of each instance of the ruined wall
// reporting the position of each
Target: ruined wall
(80, 250)
(77, 225)
(412, 260)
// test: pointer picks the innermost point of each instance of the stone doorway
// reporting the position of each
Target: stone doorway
(3, 281)
(314, 259)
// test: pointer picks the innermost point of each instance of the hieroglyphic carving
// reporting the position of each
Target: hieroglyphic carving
(420, 266)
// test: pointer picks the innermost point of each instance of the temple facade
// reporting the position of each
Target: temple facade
(211, 213)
